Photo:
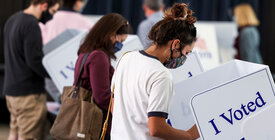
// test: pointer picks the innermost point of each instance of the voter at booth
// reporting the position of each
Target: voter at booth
(101, 43)
(248, 40)
(24, 73)
(66, 18)
(143, 85)
(153, 10)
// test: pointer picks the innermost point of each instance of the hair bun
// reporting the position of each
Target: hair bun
(180, 11)
(190, 19)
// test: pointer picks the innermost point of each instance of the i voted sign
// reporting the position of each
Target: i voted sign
(261, 125)
(240, 90)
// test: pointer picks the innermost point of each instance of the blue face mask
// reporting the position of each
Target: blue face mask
(118, 46)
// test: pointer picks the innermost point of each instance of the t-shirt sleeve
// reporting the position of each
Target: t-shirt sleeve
(160, 96)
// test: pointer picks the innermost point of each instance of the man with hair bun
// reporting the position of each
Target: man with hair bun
(24, 73)
(153, 10)
(144, 85)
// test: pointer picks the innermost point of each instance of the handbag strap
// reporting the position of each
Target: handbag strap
(104, 129)
(79, 81)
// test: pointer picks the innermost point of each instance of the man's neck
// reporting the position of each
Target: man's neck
(34, 11)
(151, 12)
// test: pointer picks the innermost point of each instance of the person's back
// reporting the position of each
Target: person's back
(143, 85)
(23, 71)
(134, 103)
(248, 40)
(154, 12)
(249, 45)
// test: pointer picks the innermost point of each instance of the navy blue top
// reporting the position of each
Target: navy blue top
(24, 72)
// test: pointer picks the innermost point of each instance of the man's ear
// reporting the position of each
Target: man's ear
(44, 6)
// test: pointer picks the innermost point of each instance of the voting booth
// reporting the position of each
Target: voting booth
(226, 32)
(221, 98)
(190, 68)
(261, 125)
(60, 62)
(206, 45)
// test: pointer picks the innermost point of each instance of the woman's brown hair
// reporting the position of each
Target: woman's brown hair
(177, 24)
(99, 36)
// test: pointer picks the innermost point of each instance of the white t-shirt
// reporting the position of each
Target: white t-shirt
(143, 88)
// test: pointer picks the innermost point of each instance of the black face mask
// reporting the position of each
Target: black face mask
(45, 17)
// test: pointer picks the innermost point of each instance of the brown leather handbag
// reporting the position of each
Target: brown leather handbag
(79, 118)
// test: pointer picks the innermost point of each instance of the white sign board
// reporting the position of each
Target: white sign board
(226, 32)
(227, 95)
(206, 45)
(60, 62)
(261, 125)
(190, 68)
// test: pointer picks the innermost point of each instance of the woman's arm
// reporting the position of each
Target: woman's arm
(159, 128)
(100, 79)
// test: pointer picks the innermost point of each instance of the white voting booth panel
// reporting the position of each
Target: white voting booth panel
(60, 62)
(190, 68)
(132, 43)
(206, 45)
(224, 97)
(226, 32)
(261, 125)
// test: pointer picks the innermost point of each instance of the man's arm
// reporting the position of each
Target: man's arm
(33, 50)
(159, 128)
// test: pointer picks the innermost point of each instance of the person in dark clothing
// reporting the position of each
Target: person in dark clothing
(103, 40)
(24, 73)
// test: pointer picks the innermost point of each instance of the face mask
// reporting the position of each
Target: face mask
(175, 62)
(118, 46)
(45, 17)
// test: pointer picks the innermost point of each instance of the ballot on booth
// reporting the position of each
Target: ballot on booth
(221, 98)
(261, 125)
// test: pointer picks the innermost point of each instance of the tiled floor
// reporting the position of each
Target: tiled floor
(4, 131)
